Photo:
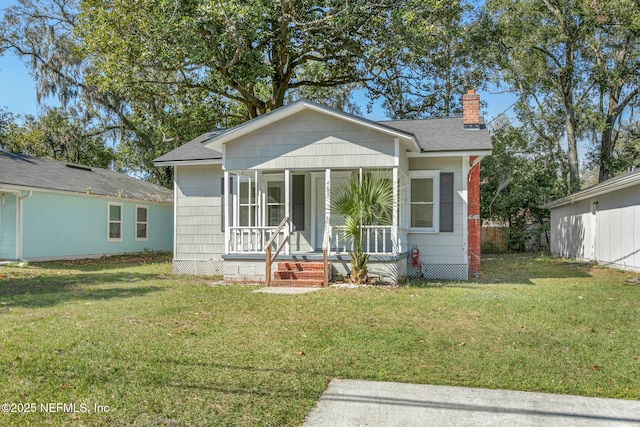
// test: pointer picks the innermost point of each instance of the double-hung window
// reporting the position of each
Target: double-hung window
(424, 199)
(247, 208)
(275, 202)
(142, 223)
(114, 222)
(432, 201)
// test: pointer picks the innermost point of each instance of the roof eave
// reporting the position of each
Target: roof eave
(451, 153)
(18, 188)
(195, 162)
(598, 190)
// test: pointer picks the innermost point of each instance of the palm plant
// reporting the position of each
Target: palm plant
(362, 203)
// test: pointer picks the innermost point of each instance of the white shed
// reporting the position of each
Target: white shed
(600, 224)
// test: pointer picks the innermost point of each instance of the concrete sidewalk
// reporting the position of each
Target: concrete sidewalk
(368, 403)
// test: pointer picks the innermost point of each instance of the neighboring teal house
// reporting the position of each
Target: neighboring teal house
(55, 210)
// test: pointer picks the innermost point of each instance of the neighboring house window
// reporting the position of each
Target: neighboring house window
(424, 197)
(275, 202)
(114, 219)
(142, 222)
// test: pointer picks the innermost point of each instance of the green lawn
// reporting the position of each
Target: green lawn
(158, 349)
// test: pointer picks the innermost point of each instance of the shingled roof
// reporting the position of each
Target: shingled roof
(33, 173)
(444, 134)
(432, 135)
(193, 150)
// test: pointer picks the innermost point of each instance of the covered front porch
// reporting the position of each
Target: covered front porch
(287, 215)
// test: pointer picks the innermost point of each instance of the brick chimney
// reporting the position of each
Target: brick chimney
(471, 110)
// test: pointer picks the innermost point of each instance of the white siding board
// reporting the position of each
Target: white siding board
(617, 238)
(310, 140)
(570, 230)
(617, 213)
(198, 211)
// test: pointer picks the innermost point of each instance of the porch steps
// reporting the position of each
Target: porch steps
(298, 274)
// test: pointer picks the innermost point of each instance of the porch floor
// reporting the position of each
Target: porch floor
(312, 256)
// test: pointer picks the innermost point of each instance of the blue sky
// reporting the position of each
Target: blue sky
(17, 91)
(18, 95)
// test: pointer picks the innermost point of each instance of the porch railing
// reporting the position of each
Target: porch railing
(283, 227)
(252, 239)
(376, 240)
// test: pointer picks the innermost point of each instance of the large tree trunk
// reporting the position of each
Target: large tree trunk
(572, 152)
(606, 151)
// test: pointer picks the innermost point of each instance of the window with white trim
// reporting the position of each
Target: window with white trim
(275, 202)
(247, 202)
(114, 222)
(424, 200)
(142, 223)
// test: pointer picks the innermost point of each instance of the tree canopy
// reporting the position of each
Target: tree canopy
(252, 53)
(574, 65)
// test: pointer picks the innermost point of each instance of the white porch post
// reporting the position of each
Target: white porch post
(397, 248)
(227, 213)
(327, 197)
(287, 210)
(256, 216)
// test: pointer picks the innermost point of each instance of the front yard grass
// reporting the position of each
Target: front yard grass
(152, 349)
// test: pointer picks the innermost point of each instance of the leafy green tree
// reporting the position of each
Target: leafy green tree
(362, 203)
(432, 69)
(574, 63)
(516, 180)
(614, 52)
(536, 45)
(44, 34)
(60, 136)
(249, 53)
(6, 120)
(625, 153)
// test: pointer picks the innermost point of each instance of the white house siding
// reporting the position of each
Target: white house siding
(442, 255)
(618, 229)
(304, 140)
(608, 232)
(571, 231)
(199, 244)
(7, 226)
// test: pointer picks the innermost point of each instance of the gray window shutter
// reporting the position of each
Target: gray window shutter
(446, 202)
(297, 202)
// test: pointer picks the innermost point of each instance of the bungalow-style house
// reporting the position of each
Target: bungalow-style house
(54, 210)
(600, 224)
(263, 190)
